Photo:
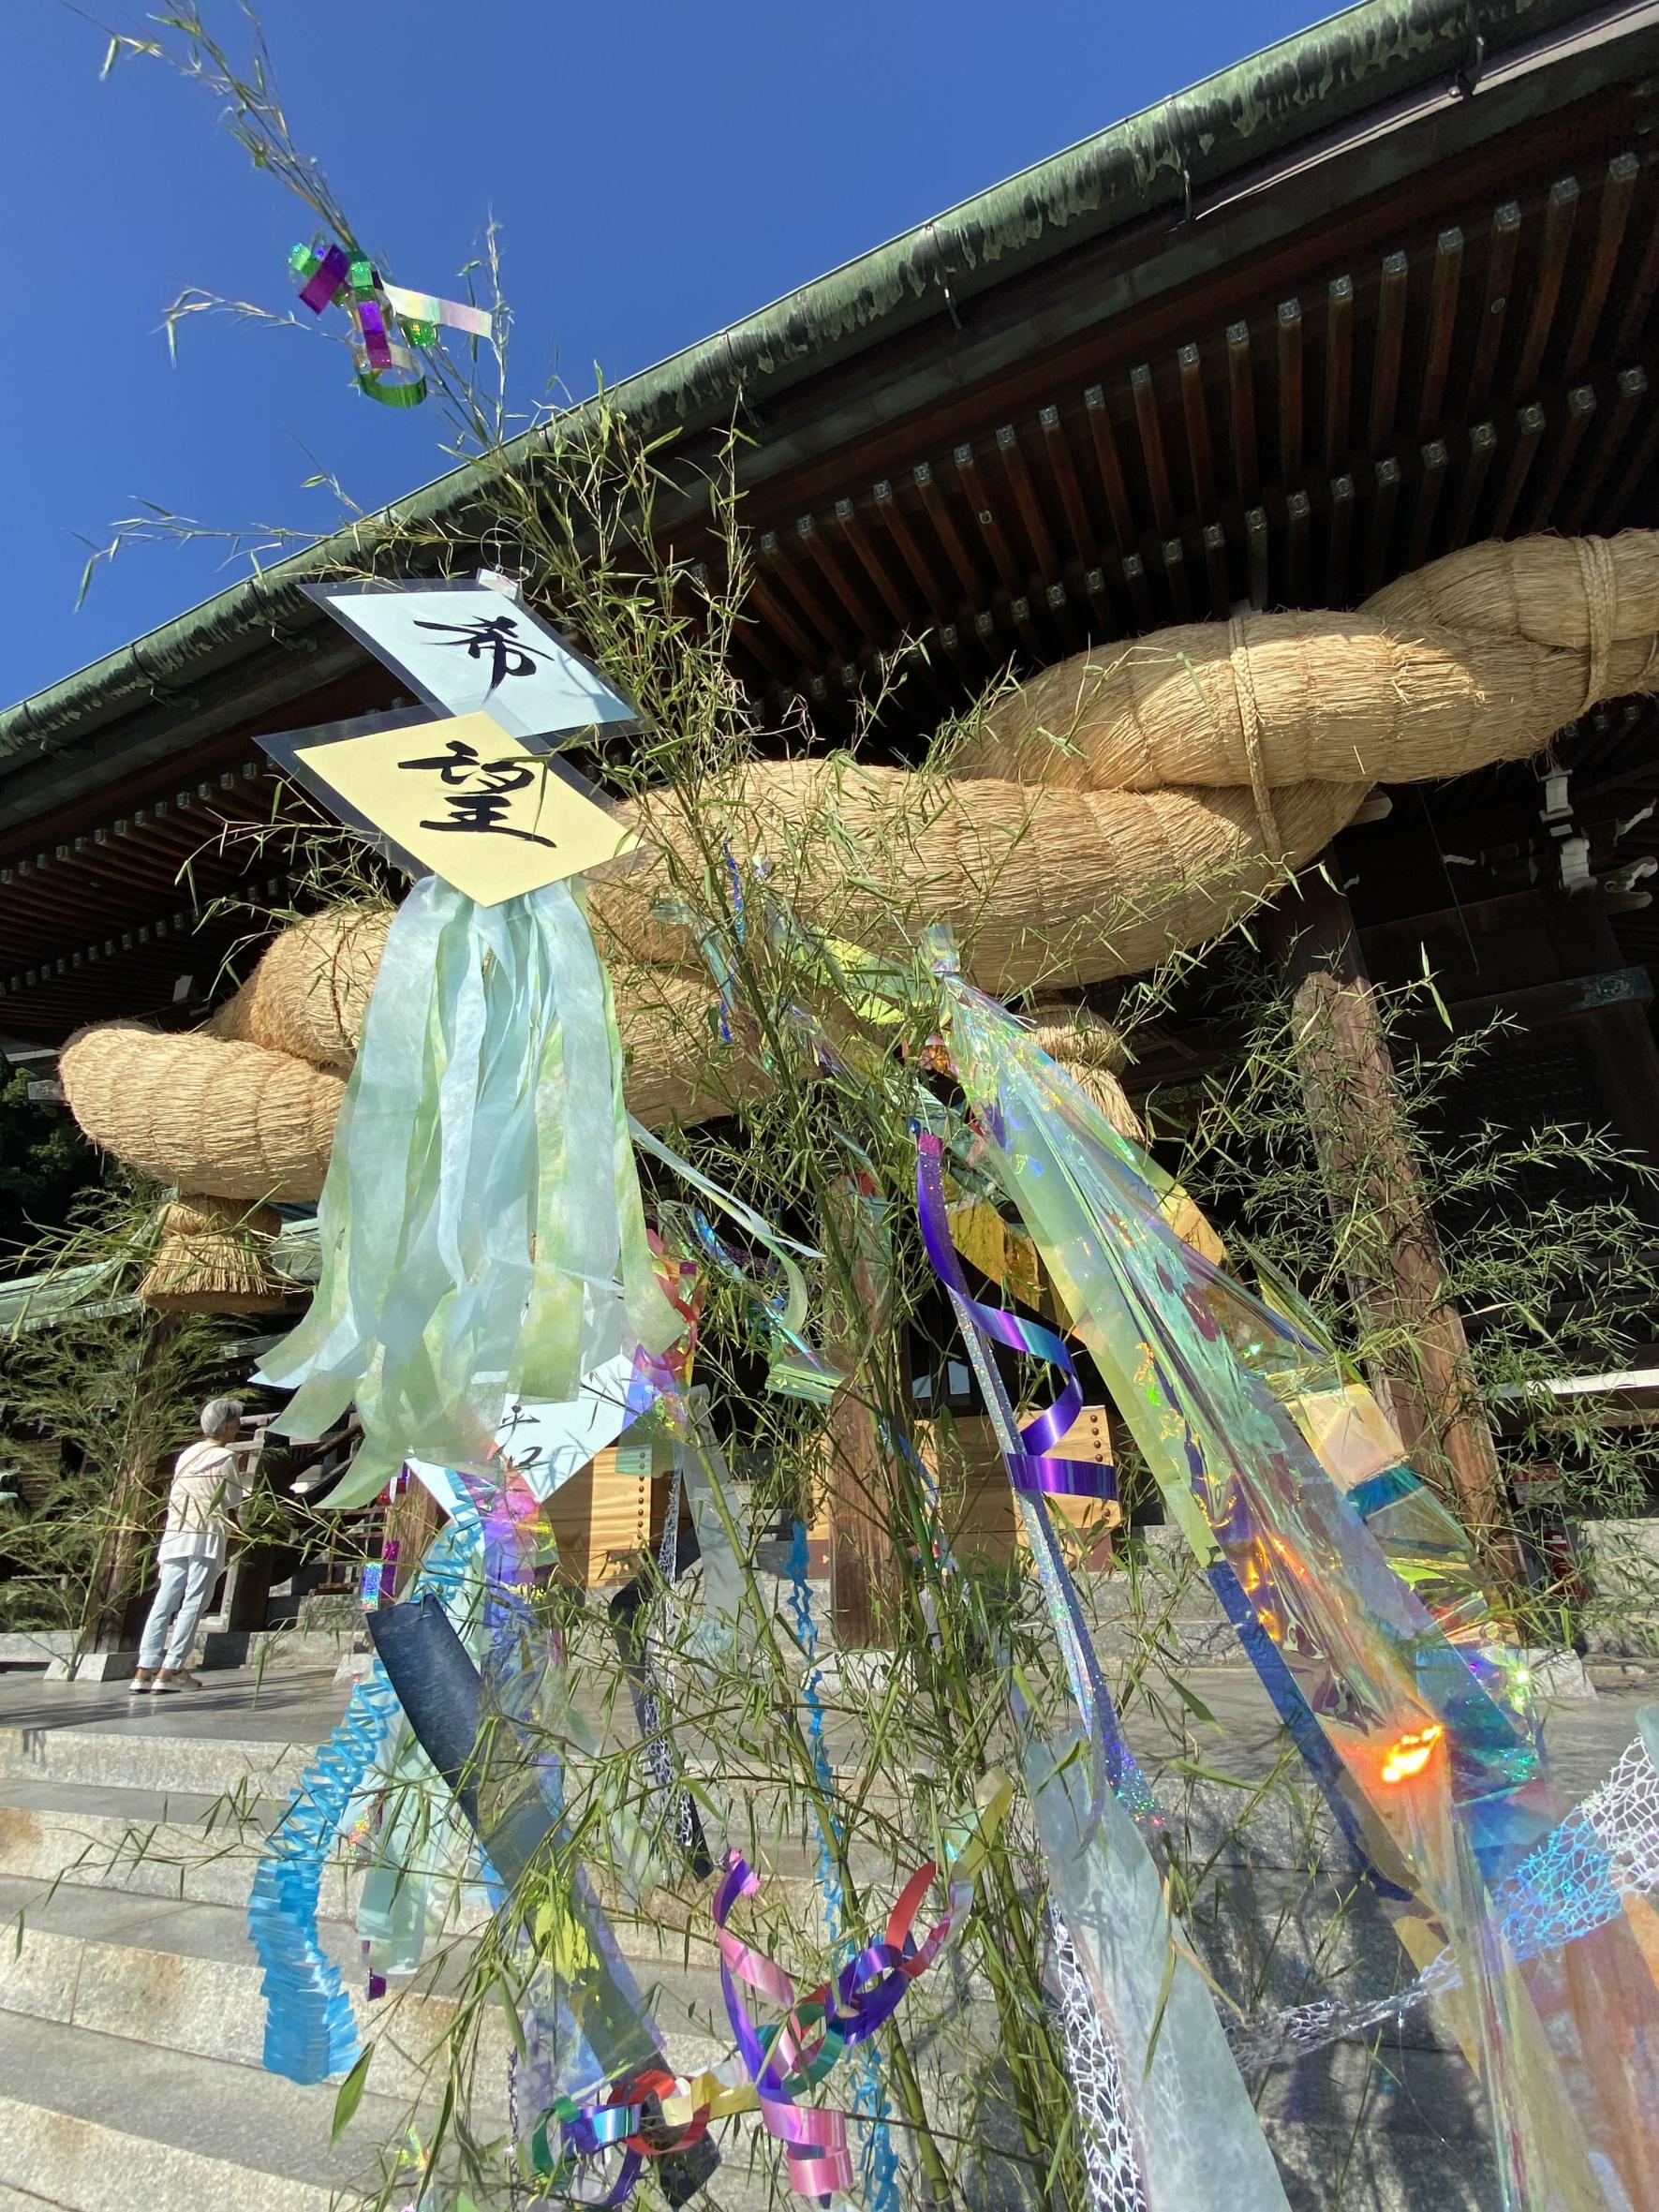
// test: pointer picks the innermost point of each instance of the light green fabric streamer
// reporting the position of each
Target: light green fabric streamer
(480, 1227)
(1201, 2147)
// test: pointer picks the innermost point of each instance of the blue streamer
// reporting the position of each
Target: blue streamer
(310, 2026)
(879, 2169)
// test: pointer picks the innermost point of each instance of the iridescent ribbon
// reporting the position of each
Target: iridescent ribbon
(1034, 1468)
(387, 371)
(869, 1989)
(798, 1369)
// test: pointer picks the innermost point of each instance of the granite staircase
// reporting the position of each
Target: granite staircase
(131, 2021)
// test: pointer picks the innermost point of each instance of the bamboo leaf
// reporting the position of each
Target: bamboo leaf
(351, 2094)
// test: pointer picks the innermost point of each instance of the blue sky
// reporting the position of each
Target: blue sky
(659, 172)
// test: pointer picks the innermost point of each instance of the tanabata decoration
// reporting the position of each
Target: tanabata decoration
(387, 370)
(481, 1230)
(1445, 1778)
(1167, 2124)
(310, 2027)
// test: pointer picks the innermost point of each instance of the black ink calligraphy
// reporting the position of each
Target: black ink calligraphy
(510, 655)
(478, 794)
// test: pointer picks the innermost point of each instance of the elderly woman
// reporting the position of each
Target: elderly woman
(207, 1488)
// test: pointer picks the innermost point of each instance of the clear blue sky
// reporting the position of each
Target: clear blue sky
(659, 171)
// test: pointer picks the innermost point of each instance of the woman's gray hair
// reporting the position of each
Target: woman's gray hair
(220, 1414)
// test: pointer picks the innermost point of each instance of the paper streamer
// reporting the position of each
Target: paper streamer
(310, 2028)
(481, 1224)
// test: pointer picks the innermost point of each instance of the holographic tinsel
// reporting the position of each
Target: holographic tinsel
(1576, 1880)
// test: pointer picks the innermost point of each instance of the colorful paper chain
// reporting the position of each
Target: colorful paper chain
(386, 369)
(778, 2062)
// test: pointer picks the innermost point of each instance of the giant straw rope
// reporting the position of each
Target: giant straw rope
(1121, 804)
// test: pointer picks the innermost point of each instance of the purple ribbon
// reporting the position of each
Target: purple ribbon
(330, 273)
(1034, 1468)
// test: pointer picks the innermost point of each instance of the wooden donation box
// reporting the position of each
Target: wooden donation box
(977, 1504)
(608, 1517)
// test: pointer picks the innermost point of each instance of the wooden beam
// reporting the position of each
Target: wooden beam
(1390, 340)
(1422, 1371)
(1379, 535)
(1085, 538)
(1255, 532)
(1580, 407)
(1196, 415)
(963, 565)
(1175, 570)
(1632, 478)
(1144, 396)
(1338, 371)
(866, 624)
(1038, 535)
(1339, 556)
(1104, 622)
(1482, 444)
(1111, 468)
(979, 505)
(1242, 413)
(1430, 483)
(1560, 213)
(1134, 578)
(1503, 242)
(858, 1500)
(1288, 329)
(1298, 509)
(897, 524)
(1631, 390)
(1529, 429)
(1215, 563)
(1442, 322)
(1618, 190)
(1639, 291)
(849, 525)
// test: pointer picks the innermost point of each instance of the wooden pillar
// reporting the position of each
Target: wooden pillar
(1383, 1225)
(862, 1342)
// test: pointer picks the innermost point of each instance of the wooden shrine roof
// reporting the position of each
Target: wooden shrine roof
(1393, 320)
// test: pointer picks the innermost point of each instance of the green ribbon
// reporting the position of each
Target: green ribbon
(480, 1227)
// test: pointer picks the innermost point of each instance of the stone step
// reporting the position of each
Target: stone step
(185, 1977)
(182, 1849)
(100, 2123)
(173, 1843)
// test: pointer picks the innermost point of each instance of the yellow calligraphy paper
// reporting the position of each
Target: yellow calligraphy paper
(471, 802)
